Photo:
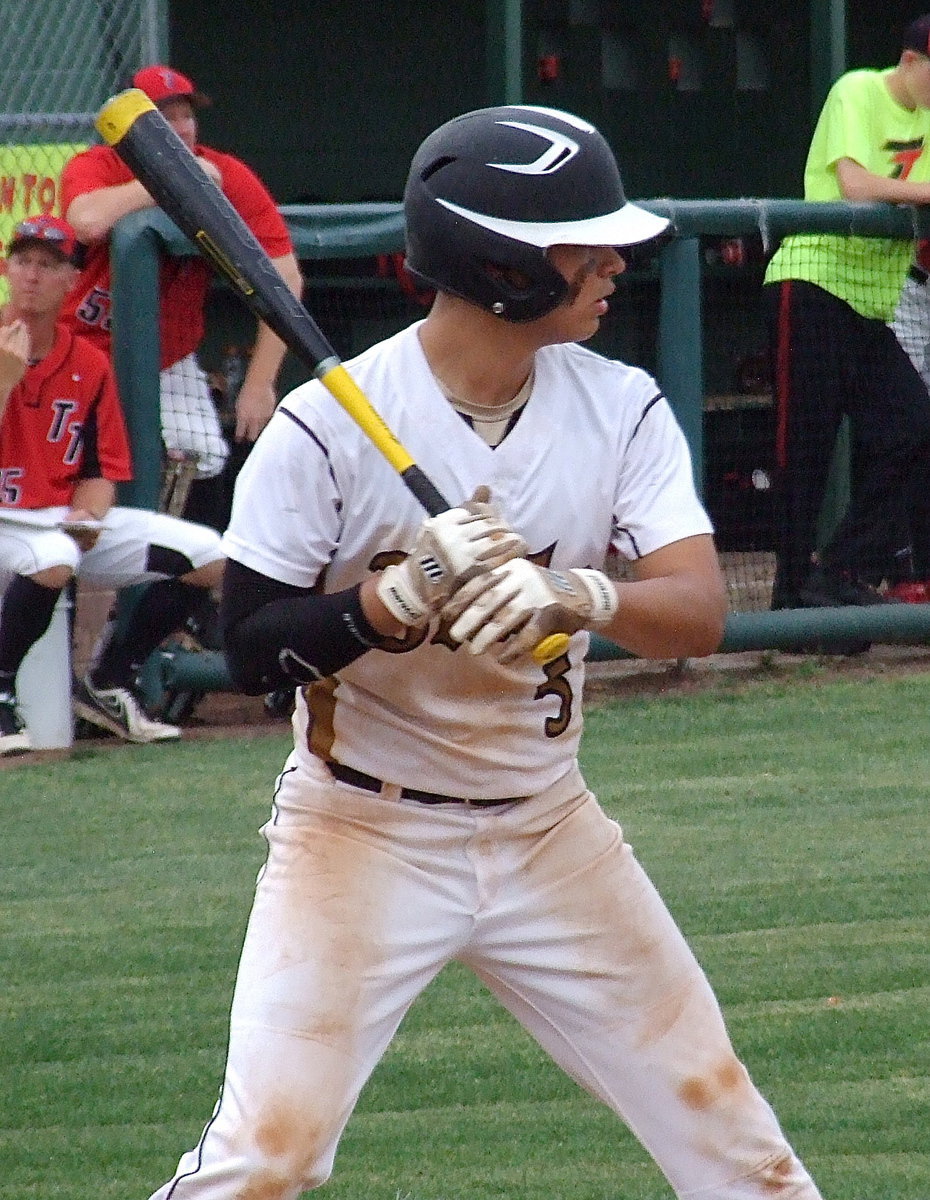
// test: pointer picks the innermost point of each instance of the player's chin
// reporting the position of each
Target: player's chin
(587, 329)
(574, 323)
(586, 322)
(590, 317)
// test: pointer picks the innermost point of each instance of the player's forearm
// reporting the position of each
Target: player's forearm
(860, 185)
(94, 497)
(289, 270)
(265, 359)
(93, 214)
(268, 354)
(679, 617)
(257, 397)
(276, 635)
(15, 351)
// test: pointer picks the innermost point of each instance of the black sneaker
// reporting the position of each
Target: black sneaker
(117, 710)
(835, 589)
(280, 703)
(13, 736)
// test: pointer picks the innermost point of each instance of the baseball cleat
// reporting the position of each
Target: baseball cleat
(13, 736)
(118, 711)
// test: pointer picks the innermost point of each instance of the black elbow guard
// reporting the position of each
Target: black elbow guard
(297, 639)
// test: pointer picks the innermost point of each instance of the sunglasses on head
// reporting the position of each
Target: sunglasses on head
(32, 229)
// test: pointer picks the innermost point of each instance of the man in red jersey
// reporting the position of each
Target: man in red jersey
(97, 190)
(63, 448)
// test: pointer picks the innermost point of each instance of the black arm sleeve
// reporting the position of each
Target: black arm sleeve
(276, 635)
(90, 458)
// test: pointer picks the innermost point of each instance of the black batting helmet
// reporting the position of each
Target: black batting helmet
(495, 188)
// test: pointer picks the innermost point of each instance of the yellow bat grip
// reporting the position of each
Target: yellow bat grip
(340, 384)
(120, 113)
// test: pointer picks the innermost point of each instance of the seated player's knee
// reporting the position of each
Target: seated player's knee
(210, 575)
(184, 550)
(54, 578)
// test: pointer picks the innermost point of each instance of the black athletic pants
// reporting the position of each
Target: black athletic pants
(829, 361)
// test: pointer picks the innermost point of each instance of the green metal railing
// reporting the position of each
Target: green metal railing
(359, 230)
(318, 232)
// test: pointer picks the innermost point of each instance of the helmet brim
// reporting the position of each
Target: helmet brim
(627, 226)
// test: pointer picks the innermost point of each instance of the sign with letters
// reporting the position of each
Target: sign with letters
(30, 183)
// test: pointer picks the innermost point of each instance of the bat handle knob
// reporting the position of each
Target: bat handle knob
(120, 113)
(551, 647)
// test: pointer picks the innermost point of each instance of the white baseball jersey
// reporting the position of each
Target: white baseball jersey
(596, 459)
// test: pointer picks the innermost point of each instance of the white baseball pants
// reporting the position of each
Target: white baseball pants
(365, 897)
(30, 541)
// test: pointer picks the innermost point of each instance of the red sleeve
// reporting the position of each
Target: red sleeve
(91, 169)
(252, 201)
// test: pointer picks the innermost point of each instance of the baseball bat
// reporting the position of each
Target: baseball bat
(143, 139)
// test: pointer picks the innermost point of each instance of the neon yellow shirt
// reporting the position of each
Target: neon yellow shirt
(860, 120)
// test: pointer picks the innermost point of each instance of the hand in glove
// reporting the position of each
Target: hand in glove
(449, 550)
(511, 609)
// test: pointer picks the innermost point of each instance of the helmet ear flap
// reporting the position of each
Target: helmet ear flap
(523, 297)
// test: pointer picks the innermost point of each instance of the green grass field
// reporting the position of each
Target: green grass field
(787, 824)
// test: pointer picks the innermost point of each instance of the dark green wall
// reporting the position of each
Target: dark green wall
(874, 30)
(733, 122)
(328, 99)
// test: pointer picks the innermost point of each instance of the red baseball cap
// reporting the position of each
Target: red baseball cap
(162, 83)
(51, 232)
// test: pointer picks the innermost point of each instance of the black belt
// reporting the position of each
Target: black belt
(918, 274)
(370, 784)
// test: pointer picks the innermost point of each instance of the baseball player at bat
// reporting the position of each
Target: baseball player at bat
(432, 808)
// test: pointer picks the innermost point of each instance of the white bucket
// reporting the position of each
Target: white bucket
(43, 683)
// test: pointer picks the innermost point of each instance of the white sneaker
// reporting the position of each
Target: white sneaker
(117, 710)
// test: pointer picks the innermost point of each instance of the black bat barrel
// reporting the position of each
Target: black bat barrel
(144, 140)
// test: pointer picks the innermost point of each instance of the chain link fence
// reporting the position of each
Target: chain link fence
(67, 58)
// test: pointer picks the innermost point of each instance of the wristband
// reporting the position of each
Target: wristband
(604, 599)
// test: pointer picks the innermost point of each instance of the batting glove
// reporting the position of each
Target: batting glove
(512, 609)
(449, 550)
